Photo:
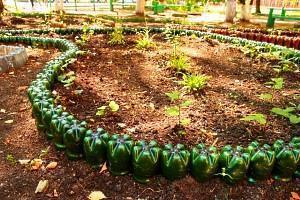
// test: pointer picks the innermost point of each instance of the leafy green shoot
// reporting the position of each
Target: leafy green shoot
(257, 117)
(276, 83)
(112, 107)
(145, 41)
(265, 96)
(176, 110)
(117, 37)
(194, 82)
(67, 79)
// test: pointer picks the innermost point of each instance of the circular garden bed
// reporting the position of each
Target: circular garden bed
(142, 83)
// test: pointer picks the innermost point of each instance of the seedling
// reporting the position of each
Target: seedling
(276, 83)
(67, 79)
(179, 62)
(265, 96)
(112, 107)
(194, 82)
(257, 117)
(176, 111)
(117, 37)
(11, 159)
(145, 41)
(85, 36)
(288, 112)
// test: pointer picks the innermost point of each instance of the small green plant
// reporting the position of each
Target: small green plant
(85, 36)
(11, 159)
(265, 96)
(257, 117)
(179, 62)
(276, 83)
(285, 66)
(145, 41)
(117, 37)
(67, 79)
(44, 152)
(113, 107)
(290, 113)
(194, 82)
(176, 110)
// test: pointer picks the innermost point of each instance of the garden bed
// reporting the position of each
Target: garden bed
(138, 80)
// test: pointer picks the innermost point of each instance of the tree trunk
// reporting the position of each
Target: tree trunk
(230, 11)
(140, 7)
(245, 11)
(257, 5)
(1, 7)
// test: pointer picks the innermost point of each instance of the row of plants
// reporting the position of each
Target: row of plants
(123, 155)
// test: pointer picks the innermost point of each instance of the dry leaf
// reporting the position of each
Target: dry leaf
(24, 161)
(51, 165)
(2, 110)
(36, 164)
(42, 186)
(8, 121)
(97, 195)
(103, 168)
(295, 196)
(55, 193)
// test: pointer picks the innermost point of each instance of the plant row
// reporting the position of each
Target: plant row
(123, 155)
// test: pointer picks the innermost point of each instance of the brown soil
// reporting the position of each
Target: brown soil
(75, 180)
(136, 79)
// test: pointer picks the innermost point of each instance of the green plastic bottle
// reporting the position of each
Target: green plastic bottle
(296, 142)
(233, 163)
(287, 160)
(204, 162)
(59, 125)
(47, 114)
(145, 160)
(174, 161)
(73, 139)
(37, 107)
(95, 147)
(119, 154)
(261, 163)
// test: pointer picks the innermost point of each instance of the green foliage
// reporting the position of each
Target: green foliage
(85, 36)
(289, 113)
(257, 117)
(176, 110)
(112, 106)
(194, 82)
(276, 83)
(179, 62)
(265, 96)
(117, 37)
(67, 79)
(11, 159)
(285, 66)
(145, 41)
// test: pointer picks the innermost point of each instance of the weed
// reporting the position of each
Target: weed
(145, 41)
(257, 117)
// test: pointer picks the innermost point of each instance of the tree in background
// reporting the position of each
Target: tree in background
(230, 11)
(1, 7)
(245, 10)
(257, 7)
(140, 7)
